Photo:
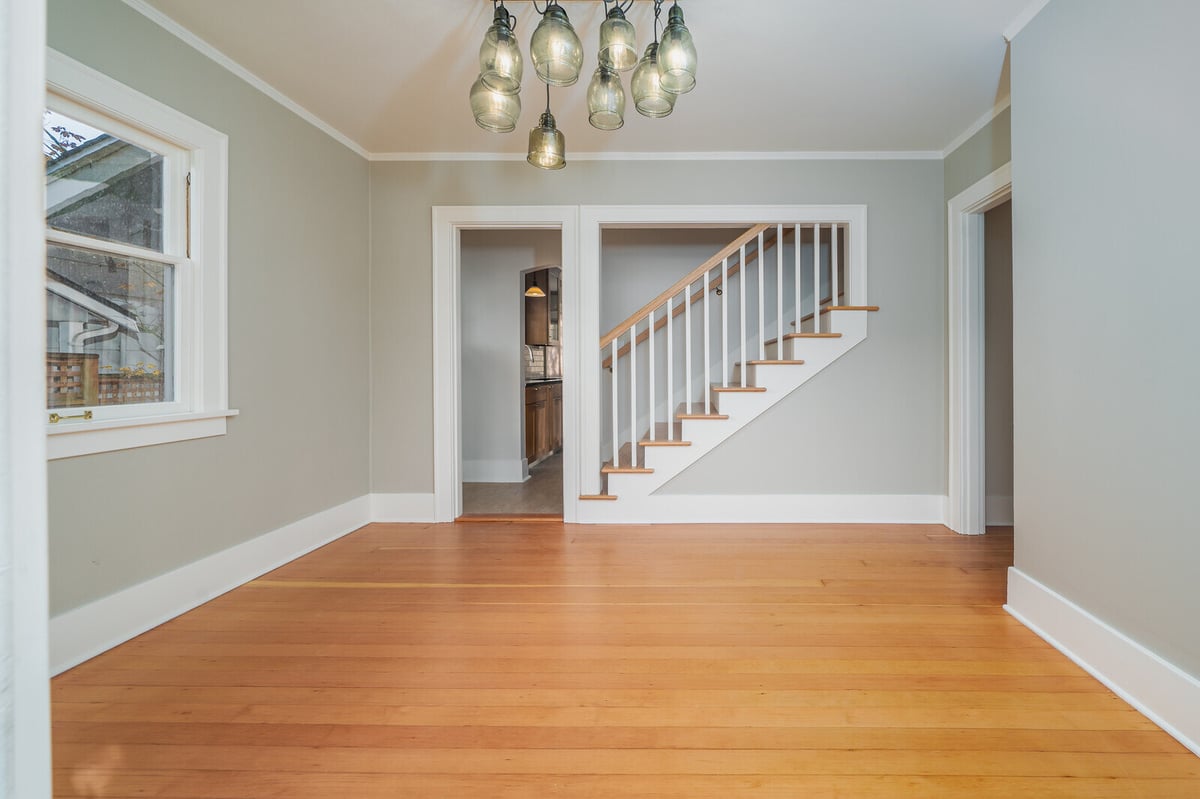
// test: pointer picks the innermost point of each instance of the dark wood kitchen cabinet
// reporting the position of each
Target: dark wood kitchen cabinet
(542, 314)
(543, 420)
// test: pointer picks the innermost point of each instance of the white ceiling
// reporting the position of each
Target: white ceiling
(392, 76)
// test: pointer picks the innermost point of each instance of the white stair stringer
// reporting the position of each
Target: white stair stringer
(779, 380)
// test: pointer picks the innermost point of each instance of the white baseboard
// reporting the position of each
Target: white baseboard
(999, 511)
(86, 631)
(1164, 693)
(403, 508)
(502, 470)
(767, 508)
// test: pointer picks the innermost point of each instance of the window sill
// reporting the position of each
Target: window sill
(69, 440)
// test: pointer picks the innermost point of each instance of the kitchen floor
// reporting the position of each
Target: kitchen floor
(541, 493)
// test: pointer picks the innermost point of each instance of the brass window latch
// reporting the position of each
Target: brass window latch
(55, 418)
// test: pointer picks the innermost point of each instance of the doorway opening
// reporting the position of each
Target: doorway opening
(450, 225)
(998, 366)
(511, 385)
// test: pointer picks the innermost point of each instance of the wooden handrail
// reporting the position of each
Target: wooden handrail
(661, 322)
(683, 283)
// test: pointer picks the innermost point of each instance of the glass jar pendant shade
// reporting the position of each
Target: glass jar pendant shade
(555, 48)
(646, 85)
(677, 55)
(500, 62)
(547, 145)
(618, 41)
(606, 99)
(492, 110)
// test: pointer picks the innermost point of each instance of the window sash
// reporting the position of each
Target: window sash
(175, 230)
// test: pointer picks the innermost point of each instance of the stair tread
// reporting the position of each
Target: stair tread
(592, 497)
(626, 463)
(812, 335)
(841, 308)
(738, 389)
(696, 411)
(771, 363)
(661, 438)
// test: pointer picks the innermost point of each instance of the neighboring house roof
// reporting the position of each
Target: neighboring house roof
(93, 167)
(92, 302)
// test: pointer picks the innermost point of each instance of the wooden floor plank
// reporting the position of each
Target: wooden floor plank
(533, 660)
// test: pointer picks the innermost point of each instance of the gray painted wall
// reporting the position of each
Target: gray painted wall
(998, 355)
(298, 285)
(492, 332)
(878, 418)
(636, 265)
(979, 156)
(1106, 374)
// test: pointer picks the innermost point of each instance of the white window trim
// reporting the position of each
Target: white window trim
(204, 359)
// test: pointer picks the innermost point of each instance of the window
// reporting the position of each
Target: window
(135, 268)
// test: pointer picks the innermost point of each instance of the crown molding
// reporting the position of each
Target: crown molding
(1024, 18)
(976, 126)
(195, 42)
(815, 155)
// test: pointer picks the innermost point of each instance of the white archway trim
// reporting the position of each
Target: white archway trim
(966, 506)
(448, 222)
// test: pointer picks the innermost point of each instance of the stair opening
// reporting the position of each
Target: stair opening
(718, 342)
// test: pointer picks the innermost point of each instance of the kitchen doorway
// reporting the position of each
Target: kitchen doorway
(510, 319)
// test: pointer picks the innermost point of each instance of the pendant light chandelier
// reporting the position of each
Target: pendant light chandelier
(666, 70)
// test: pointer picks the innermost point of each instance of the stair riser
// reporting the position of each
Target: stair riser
(673, 459)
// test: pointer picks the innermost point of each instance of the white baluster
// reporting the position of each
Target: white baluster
(779, 292)
(687, 346)
(633, 414)
(616, 406)
(707, 359)
(670, 371)
(816, 278)
(797, 230)
(650, 370)
(742, 317)
(724, 323)
(833, 264)
(762, 351)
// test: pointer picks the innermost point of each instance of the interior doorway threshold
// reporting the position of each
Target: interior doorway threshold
(510, 517)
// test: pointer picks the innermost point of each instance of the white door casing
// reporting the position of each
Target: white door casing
(966, 511)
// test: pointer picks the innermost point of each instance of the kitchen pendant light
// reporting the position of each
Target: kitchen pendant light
(646, 85)
(618, 41)
(606, 99)
(500, 64)
(535, 290)
(555, 48)
(547, 145)
(677, 55)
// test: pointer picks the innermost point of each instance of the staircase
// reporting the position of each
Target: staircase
(726, 342)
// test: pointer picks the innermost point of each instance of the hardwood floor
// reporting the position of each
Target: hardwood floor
(541, 660)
